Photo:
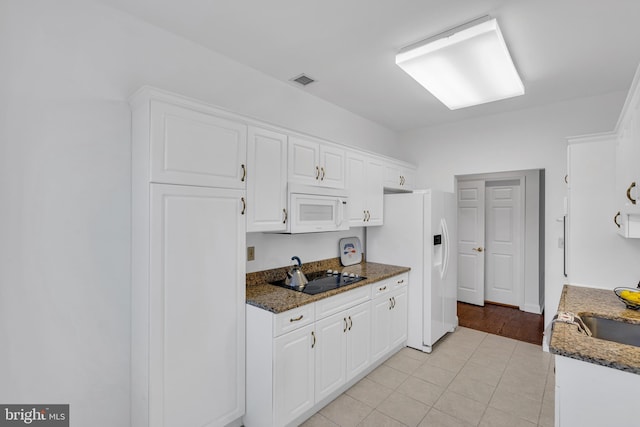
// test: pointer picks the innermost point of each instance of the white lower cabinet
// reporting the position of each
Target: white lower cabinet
(293, 378)
(389, 317)
(299, 360)
(331, 351)
(359, 340)
(343, 348)
(590, 395)
(398, 320)
(381, 327)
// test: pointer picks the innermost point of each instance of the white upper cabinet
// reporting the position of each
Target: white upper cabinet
(398, 176)
(266, 180)
(627, 159)
(193, 146)
(628, 164)
(365, 176)
(316, 163)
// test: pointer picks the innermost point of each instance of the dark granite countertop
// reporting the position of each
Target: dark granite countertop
(277, 299)
(567, 341)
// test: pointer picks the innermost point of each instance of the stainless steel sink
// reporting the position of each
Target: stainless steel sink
(613, 330)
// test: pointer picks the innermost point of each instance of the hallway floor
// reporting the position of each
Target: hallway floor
(471, 378)
(500, 320)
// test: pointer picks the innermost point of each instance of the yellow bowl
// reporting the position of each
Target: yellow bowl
(634, 305)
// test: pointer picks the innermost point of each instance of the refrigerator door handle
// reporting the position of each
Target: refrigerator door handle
(445, 252)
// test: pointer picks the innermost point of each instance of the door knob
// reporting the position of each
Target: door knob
(478, 249)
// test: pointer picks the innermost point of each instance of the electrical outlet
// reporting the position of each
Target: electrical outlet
(251, 253)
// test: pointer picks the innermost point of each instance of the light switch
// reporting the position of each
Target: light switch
(251, 253)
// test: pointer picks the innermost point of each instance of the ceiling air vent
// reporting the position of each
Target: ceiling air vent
(303, 80)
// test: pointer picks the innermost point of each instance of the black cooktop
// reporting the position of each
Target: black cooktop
(323, 281)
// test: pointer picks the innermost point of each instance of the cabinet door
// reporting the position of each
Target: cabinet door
(358, 339)
(304, 161)
(196, 306)
(266, 181)
(375, 192)
(330, 349)
(194, 148)
(392, 175)
(332, 166)
(399, 177)
(625, 191)
(357, 186)
(398, 317)
(380, 327)
(408, 178)
(293, 374)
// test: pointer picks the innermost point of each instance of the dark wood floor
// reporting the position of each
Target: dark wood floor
(500, 320)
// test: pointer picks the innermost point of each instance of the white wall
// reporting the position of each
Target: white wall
(525, 139)
(276, 250)
(67, 70)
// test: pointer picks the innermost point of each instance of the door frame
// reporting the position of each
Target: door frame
(532, 194)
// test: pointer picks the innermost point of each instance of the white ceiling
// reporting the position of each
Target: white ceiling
(563, 49)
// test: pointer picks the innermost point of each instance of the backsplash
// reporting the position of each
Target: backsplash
(276, 250)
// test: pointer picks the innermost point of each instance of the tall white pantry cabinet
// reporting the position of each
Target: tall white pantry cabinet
(188, 265)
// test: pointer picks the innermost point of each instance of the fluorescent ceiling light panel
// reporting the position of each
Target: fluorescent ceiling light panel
(466, 66)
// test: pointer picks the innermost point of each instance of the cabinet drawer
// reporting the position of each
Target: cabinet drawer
(293, 319)
(380, 288)
(343, 301)
(399, 281)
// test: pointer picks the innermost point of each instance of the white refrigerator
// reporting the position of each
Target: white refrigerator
(419, 231)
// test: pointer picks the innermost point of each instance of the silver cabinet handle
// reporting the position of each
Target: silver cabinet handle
(400, 281)
(350, 323)
(295, 319)
(479, 249)
(286, 216)
(394, 301)
(345, 325)
(364, 219)
(382, 288)
(313, 335)
(317, 172)
(323, 173)
(244, 173)
(615, 219)
(244, 205)
(390, 304)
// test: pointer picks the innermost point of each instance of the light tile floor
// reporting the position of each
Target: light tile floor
(470, 379)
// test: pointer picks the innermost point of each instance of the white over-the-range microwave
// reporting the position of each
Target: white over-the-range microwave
(317, 209)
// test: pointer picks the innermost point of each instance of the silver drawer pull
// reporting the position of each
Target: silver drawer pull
(382, 288)
(295, 319)
(400, 281)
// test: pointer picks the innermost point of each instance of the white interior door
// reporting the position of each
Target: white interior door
(471, 203)
(503, 231)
